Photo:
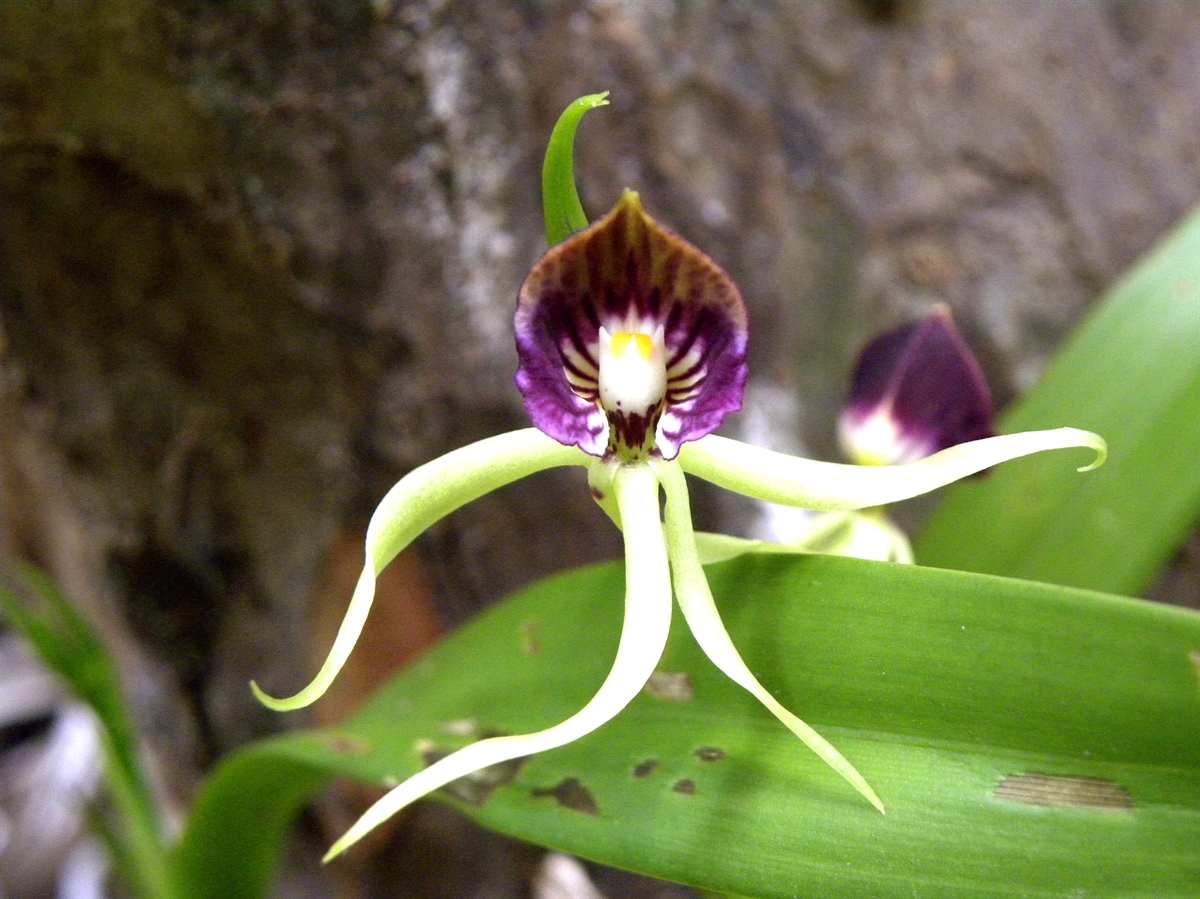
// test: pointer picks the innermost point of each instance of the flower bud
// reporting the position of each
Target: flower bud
(915, 390)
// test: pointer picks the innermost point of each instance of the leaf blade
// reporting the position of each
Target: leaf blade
(984, 678)
(1132, 375)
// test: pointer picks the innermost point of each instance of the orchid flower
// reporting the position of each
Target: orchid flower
(632, 349)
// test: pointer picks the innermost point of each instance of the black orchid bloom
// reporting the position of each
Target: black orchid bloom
(632, 348)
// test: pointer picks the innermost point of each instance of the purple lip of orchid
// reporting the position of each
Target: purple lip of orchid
(915, 390)
(631, 341)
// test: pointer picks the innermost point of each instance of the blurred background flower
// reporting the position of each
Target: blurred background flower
(50, 772)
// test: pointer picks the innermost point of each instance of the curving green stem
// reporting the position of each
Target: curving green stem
(696, 603)
(643, 638)
(421, 498)
(827, 486)
(560, 201)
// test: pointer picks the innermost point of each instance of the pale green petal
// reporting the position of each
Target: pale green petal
(420, 498)
(713, 548)
(696, 603)
(821, 531)
(861, 535)
(600, 482)
(868, 535)
(643, 637)
(826, 486)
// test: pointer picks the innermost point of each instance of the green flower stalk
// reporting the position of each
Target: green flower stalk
(632, 349)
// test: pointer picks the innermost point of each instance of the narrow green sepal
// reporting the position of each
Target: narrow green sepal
(601, 474)
(827, 486)
(643, 637)
(560, 201)
(700, 610)
(865, 534)
(422, 497)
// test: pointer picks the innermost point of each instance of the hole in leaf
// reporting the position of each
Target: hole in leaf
(686, 786)
(572, 794)
(646, 768)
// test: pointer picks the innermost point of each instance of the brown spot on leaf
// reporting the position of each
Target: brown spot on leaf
(477, 787)
(572, 794)
(673, 686)
(344, 744)
(646, 768)
(530, 644)
(686, 787)
(1195, 657)
(1064, 792)
(709, 754)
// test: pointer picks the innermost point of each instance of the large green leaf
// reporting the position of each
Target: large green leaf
(949, 691)
(1132, 375)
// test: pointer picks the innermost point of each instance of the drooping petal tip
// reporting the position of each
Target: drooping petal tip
(696, 602)
(915, 390)
(630, 339)
(416, 502)
(643, 637)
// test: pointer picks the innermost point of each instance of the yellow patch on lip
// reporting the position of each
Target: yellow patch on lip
(622, 339)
